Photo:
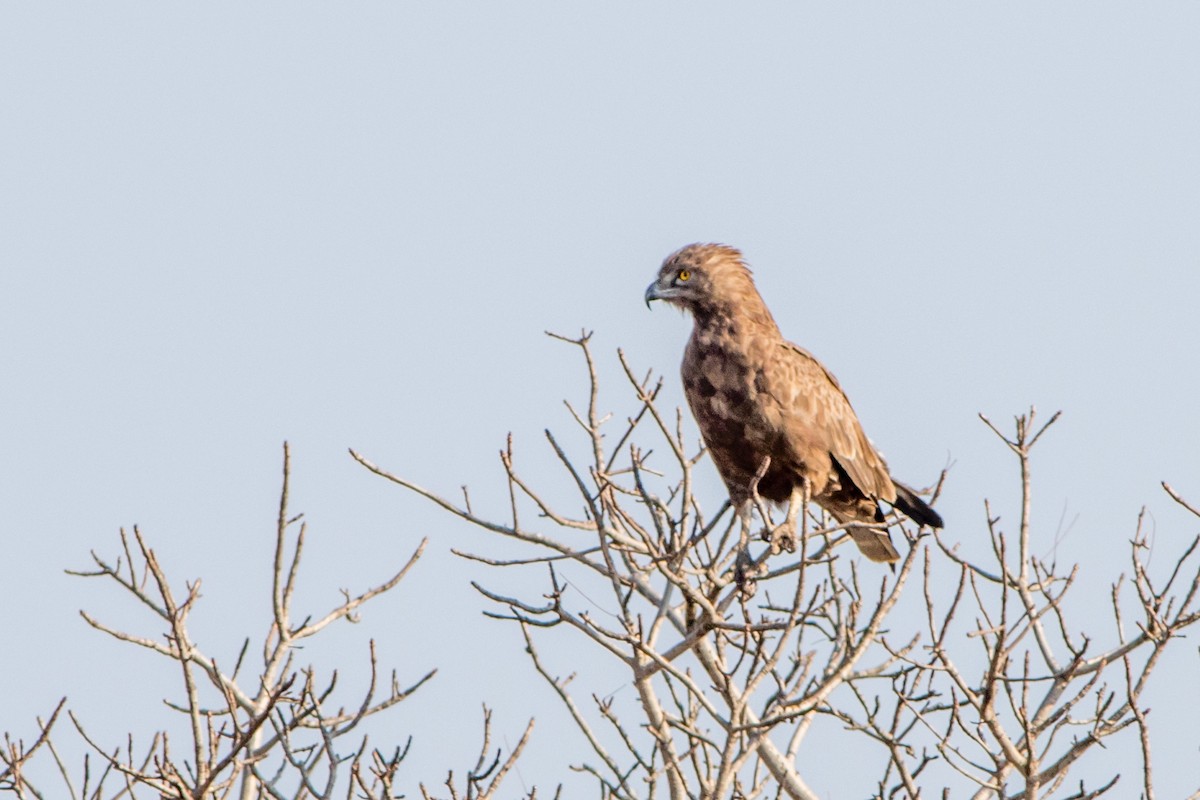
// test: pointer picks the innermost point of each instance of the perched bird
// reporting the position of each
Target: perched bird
(768, 409)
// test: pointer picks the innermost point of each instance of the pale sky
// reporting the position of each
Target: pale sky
(348, 225)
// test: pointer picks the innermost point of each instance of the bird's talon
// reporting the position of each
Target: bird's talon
(746, 573)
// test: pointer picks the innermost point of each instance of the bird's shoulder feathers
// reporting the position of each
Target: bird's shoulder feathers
(818, 414)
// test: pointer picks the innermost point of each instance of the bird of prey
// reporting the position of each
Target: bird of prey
(768, 410)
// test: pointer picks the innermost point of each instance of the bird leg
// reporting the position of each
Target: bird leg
(745, 568)
(786, 535)
(742, 565)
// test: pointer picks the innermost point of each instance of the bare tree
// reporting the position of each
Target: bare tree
(995, 694)
(965, 675)
(274, 730)
(483, 780)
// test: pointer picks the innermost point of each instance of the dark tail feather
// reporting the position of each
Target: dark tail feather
(915, 508)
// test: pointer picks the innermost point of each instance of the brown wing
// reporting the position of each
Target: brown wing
(818, 414)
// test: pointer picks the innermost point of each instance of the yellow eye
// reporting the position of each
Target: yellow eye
(685, 275)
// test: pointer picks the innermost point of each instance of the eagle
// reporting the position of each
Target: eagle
(774, 419)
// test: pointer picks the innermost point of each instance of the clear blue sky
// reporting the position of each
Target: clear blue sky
(347, 225)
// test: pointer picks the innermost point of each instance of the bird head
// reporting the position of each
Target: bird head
(698, 275)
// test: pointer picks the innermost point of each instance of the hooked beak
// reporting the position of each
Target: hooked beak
(652, 293)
